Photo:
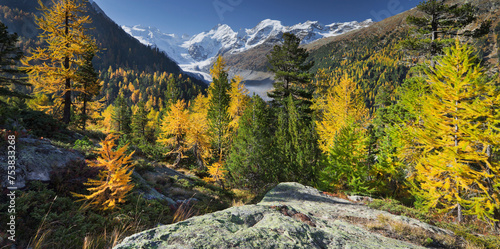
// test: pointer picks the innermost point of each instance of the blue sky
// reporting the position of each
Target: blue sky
(194, 16)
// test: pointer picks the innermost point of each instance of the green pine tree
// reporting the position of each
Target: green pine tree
(346, 166)
(249, 163)
(88, 83)
(288, 63)
(121, 115)
(10, 55)
(296, 148)
(140, 122)
(439, 25)
(218, 105)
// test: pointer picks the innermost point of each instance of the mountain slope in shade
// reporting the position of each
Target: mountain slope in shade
(118, 48)
(195, 54)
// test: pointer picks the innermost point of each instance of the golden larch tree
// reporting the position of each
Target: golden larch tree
(217, 173)
(239, 100)
(198, 134)
(114, 181)
(174, 128)
(457, 136)
(343, 105)
(55, 67)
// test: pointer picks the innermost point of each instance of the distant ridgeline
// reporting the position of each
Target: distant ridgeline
(373, 57)
(119, 53)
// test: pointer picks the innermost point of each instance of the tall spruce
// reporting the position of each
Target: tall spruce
(10, 55)
(140, 122)
(54, 67)
(250, 161)
(295, 145)
(288, 63)
(88, 85)
(219, 101)
(121, 115)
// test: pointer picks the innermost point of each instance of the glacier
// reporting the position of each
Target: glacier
(195, 54)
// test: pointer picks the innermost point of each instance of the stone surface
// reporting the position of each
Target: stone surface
(149, 192)
(289, 216)
(35, 159)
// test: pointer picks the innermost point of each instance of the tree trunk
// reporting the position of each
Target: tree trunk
(84, 111)
(67, 95)
(67, 99)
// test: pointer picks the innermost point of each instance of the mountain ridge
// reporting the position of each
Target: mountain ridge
(195, 53)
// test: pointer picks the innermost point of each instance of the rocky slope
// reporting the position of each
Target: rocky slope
(290, 216)
(35, 159)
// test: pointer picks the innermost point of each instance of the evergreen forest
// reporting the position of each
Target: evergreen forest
(409, 117)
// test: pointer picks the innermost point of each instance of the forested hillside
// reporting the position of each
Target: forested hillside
(118, 50)
(406, 111)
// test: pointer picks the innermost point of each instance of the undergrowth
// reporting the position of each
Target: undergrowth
(475, 233)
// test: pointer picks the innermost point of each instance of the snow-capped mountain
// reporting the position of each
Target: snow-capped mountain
(195, 54)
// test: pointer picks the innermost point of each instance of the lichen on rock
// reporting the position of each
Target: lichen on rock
(289, 216)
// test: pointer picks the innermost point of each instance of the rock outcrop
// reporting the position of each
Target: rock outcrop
(35, 159)
(290, 216)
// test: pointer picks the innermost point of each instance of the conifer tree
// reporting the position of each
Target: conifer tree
(140, 121)
(441, 20)
(218, 105)
(153, 125)
(10, 55)
(217, 173)
(249, 163)
(457, 136)
(288, 63)
(343, 138)
(342, 106)
(174, 128)
(114, 179)
(296, 145)
(346, 167)
(107, 118)
(121, 115)
(88, 85)
(64, 31)
(198, 133)
(239, 99)
(173, 92)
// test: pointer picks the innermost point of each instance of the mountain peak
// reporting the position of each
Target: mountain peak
(195, 54)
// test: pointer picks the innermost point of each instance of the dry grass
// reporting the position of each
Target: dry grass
(241, 197)
(184, 212)
(237, 203)
(39, 240)
(386, 226)
(107, 240)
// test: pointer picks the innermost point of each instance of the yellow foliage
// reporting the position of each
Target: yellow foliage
(456, 135)
(197, 136)
(55, 67)
(174, 128)
(217, 173)
(342, 106)
(108, 120)
(239, 100)
(219, 66)
(114, 178)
